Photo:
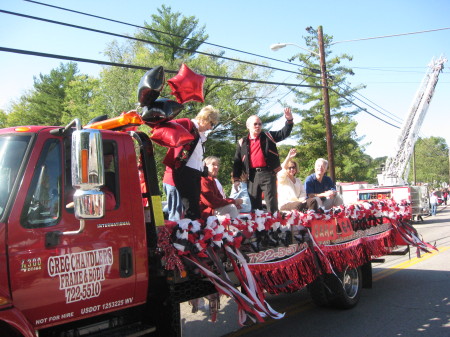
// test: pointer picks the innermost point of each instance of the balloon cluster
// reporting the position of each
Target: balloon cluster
(186, 86)
(157, 112)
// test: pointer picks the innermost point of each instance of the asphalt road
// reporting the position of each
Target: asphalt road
(410, 297)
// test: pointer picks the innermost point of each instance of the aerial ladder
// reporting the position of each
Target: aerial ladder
(396, 169)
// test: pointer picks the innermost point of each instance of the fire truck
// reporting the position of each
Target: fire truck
(416, 196)
(81, 253)
(392, 181)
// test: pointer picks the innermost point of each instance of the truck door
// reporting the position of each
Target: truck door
(86, 273)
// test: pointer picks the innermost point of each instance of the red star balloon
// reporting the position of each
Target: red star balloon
(187, 85)
(171, 134)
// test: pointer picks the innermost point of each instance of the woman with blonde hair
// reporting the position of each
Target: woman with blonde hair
(291, 192)
(184, 165)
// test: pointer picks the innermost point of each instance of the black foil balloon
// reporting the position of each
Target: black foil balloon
(150, 86)
(161, 110)
(98, 119)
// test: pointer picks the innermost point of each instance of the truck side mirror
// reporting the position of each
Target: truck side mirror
(87, 159)
(89, 204)
(88, 174)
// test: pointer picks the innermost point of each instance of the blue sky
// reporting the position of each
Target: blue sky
(392, 68)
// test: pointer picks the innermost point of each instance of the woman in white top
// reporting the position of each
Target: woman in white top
(291, 191)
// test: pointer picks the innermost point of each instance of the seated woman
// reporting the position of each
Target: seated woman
(291, 193)
(212, 202)
(240, 192)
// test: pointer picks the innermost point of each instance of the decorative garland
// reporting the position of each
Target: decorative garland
(206, 244)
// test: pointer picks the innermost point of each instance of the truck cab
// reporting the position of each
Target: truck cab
(54, 267)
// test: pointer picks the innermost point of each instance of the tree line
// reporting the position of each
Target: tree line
(64, 94)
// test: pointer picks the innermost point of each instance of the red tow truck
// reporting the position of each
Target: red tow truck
(79, 253)
(58, 271)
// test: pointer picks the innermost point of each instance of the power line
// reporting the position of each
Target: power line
(387, 70)
(399, 120)
(392, 35)
(132, 66)
(362, 109)
(140, 40)
(162, 32)
(146, 68)
(217, 45)
(367, 99)
(73, 58)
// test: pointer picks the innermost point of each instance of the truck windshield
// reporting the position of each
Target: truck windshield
(12, 152)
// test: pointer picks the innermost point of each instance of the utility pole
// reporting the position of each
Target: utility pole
(326, 105)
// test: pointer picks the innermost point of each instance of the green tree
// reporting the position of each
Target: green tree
(83, 100)
(3, 119)
(173, 35)
(351, 164)
(20, 112)
(432, 165)
(47, 101)
(235, 100)
(57, 98)
(119, 85)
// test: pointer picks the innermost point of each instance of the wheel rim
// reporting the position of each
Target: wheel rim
(350, 282)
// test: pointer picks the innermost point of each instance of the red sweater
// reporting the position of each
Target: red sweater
(210, 197)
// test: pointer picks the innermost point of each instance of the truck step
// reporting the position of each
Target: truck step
(131, 330)
(400, 252)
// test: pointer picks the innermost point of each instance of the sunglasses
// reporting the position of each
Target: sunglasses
(257, 124)
(292, 168)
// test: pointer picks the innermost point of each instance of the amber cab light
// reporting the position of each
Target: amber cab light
(22, 129)
(130, 118)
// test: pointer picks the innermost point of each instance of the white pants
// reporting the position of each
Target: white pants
(230, 209)
(330, 202)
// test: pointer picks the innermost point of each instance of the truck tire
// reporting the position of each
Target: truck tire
(166, 317)
(163, 311)
(346, 290)
(342, 293)
(319, 293)
(8, 331)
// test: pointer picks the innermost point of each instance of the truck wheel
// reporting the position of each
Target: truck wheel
(319, 293)
(7, 331)
(347, 290)
(163, 310)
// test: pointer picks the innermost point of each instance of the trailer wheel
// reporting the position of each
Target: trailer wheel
(347, 290)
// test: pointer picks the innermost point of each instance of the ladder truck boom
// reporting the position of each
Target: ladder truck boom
(396, 168)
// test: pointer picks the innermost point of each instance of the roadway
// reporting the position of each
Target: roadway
(410, 297)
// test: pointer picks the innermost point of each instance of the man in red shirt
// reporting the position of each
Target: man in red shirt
(257, 155)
